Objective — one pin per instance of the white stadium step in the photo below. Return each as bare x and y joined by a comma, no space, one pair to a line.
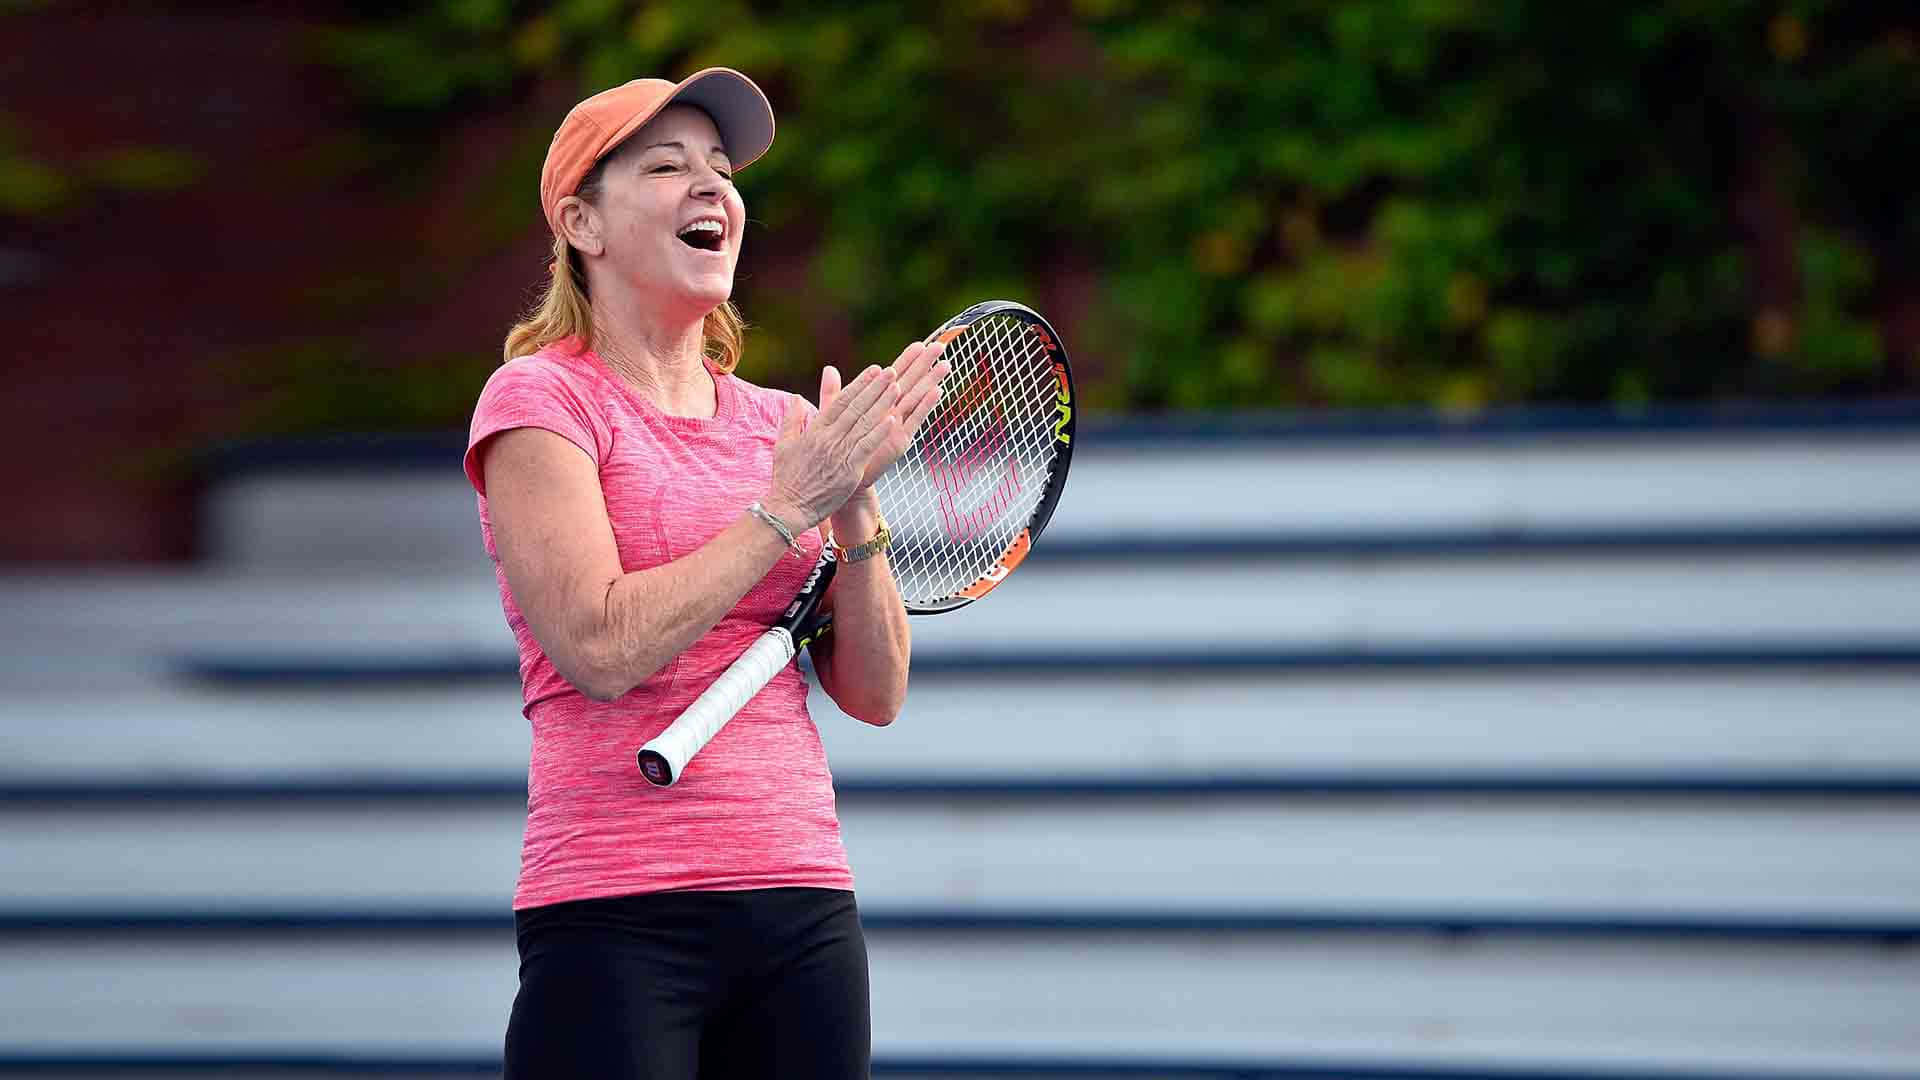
1479,1001
1866,599
1816,724
1461,724
424,515
1824,863
1249,604
1569,483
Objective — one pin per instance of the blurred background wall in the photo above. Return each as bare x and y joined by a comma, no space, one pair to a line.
222,222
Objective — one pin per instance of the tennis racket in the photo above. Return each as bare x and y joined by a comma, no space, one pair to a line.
964,503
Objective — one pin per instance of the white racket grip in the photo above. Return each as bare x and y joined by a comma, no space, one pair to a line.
710,711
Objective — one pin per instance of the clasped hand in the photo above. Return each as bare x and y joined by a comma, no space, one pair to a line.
861,429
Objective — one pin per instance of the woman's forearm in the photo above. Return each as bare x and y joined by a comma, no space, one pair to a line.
647,617
864,669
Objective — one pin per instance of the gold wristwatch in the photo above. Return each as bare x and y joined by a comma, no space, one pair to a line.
882,540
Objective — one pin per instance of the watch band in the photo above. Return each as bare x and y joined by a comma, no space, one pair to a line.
881,541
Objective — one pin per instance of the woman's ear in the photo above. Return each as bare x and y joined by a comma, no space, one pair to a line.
580,225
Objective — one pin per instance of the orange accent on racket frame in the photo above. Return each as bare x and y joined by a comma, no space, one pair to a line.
1016,553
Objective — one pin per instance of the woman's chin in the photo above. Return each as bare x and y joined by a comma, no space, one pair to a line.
687,293
709,291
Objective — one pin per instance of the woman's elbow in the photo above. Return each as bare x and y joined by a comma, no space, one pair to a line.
594,672
878,706
601,692
597,686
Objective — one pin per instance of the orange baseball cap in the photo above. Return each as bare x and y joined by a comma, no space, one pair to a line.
600,123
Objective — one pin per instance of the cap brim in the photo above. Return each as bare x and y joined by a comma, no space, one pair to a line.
738,108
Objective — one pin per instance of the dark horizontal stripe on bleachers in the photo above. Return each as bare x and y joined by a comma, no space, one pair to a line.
241,670
1427,657
1323,1069
443,450
1865,417
1814,540
320,1063
1389,783
322,670
1381,783
134,1061
1808,928
321,453
1595,925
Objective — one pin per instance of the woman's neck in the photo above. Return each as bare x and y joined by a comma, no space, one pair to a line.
660,357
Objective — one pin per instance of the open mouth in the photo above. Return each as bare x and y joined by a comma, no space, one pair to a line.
705,234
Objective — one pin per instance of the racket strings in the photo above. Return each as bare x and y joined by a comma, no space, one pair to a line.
972,478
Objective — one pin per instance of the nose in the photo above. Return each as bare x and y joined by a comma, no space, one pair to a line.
707,183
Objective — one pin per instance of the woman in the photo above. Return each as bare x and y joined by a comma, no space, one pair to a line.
650,514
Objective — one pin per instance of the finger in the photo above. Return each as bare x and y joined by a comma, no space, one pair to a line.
929,381
871,443
859,398
863,424
917,413
913,400
935,363
856,395
908,366
924,362
884,403
829,386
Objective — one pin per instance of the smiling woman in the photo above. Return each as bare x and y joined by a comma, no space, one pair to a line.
641,501
599,134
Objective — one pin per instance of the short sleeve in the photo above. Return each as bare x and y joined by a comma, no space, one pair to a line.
530,393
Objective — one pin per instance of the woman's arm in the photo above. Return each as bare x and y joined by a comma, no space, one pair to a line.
862,664
607,630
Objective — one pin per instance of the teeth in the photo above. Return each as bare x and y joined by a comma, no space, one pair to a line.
704,226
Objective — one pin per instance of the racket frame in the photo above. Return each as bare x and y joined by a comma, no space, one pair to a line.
1063,428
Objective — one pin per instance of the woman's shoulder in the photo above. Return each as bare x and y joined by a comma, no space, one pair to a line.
547,389
552,374
552,364
552,382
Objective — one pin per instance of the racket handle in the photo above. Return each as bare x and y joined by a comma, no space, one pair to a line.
663,759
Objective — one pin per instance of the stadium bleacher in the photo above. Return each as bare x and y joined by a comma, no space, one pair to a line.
1544,745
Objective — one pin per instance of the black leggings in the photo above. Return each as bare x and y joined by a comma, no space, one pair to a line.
760,983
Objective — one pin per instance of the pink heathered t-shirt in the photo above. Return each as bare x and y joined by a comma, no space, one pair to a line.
755,809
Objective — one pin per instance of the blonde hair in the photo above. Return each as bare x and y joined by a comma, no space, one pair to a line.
565,310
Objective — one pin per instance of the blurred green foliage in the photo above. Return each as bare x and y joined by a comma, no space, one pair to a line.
32,187
1447,202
